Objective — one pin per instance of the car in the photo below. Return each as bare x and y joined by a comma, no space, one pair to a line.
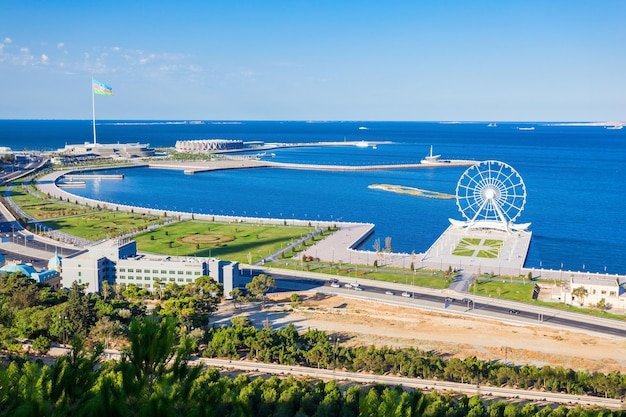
390,293
513,311
347,285
335,285
358,288
406,294
449,300
466,300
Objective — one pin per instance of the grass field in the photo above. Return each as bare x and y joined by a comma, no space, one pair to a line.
39,207
104,224
240,242
431,279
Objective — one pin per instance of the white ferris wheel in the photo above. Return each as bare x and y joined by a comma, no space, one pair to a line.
491,195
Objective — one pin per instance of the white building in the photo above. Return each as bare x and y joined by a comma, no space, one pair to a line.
208,145
597,287
117,261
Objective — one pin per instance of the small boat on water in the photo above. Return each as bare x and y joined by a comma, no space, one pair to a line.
493,124
614,127
431,159
526,128
362,128
362,144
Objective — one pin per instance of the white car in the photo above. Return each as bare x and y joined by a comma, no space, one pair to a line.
335,285
406,294
390,293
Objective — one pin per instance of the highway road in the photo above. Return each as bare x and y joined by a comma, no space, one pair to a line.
423,384
462,304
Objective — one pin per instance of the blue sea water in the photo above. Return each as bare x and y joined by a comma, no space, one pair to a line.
574,178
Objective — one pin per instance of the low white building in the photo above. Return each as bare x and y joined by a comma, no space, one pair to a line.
598,287
117,261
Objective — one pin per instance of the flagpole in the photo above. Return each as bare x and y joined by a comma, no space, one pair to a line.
93,111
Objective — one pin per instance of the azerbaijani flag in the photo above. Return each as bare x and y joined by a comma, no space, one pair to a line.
102,89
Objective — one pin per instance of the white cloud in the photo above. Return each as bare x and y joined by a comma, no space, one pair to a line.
60,45
24,50
44,58
8,40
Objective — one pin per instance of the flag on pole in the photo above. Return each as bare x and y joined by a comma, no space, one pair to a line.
102,89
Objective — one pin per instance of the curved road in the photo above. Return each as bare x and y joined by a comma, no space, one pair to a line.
424,384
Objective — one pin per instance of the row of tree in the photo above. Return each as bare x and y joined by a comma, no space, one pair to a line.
317,349
153,378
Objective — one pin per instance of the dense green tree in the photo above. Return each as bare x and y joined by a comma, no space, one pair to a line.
260,286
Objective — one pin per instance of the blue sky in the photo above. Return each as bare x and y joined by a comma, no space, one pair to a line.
315,60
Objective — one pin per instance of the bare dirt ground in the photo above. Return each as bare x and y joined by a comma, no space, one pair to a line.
357,323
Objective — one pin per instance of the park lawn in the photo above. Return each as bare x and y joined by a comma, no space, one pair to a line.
40,207
241,242
104,224
514,291
395,275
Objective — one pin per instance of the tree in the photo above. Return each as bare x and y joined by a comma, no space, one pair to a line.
580,293
388,248
295,299
78,311
41,345
260,286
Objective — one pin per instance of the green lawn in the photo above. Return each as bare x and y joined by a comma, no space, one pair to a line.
228,241
429,279
101,225
39,207
513,291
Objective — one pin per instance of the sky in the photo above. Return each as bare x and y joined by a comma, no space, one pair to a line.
413,60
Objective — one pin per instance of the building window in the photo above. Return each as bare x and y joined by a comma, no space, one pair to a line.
146,271
155,271
197,273
80,274
130,270
180,272
172,272
603,292
163,271
188,280
180,280
122,269
612,293
188,272
131,277
172,279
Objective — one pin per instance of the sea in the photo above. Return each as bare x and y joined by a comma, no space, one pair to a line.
574,175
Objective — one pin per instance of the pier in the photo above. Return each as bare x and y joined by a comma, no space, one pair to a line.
73,177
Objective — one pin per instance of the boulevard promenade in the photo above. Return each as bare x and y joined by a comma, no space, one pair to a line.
340,247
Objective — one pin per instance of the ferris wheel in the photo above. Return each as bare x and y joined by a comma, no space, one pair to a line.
491,195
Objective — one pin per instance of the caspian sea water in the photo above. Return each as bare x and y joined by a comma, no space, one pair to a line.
574,177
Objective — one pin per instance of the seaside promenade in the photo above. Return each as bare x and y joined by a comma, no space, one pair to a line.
341,246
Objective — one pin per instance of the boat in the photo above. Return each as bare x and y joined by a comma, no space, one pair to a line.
362,144
614,127
493,124
526,128
362,128
431,159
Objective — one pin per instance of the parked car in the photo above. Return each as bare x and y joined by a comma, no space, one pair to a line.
513,311
406,294
390,293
